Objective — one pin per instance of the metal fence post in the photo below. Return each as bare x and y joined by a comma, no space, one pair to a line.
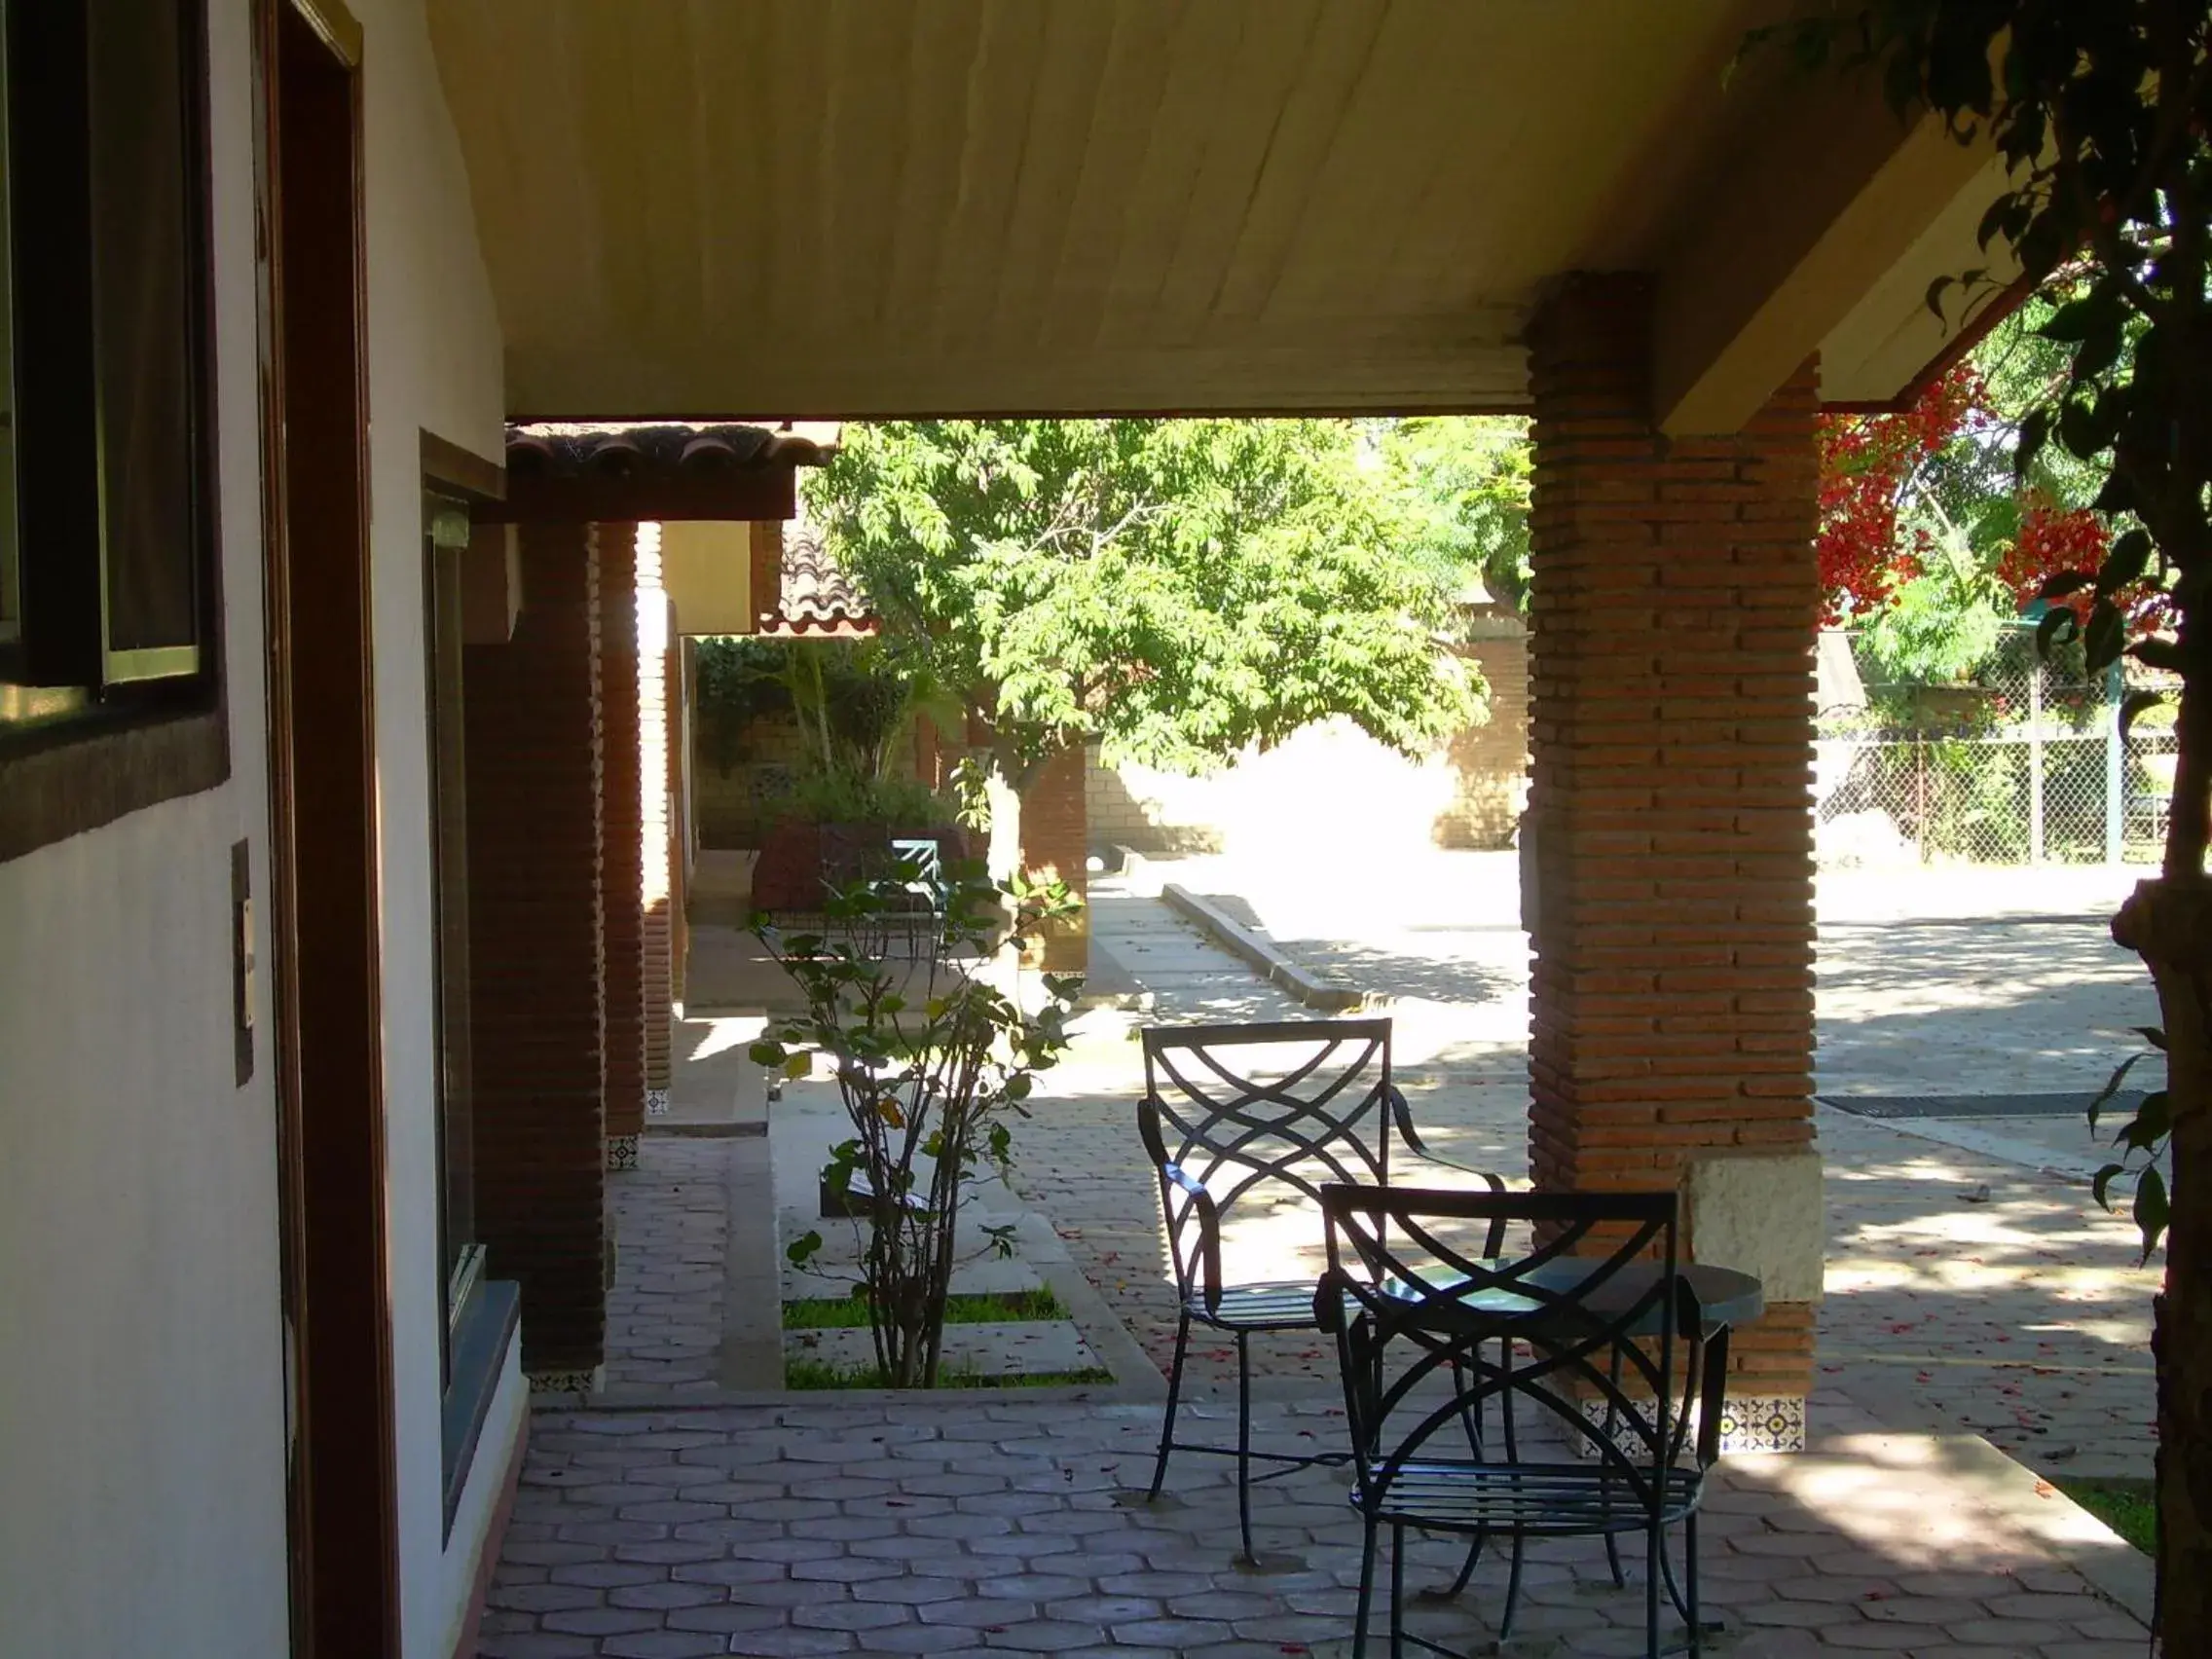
1920,794
2115,771
2035,763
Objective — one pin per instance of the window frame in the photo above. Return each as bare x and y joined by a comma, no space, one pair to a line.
109,731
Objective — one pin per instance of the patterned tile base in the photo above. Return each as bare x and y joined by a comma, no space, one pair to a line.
656,1102
1763,1423
567,1382
1750,1422
621,1152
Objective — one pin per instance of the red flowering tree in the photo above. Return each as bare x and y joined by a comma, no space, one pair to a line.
1867,465
2054,538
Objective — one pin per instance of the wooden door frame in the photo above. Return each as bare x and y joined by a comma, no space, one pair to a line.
325,910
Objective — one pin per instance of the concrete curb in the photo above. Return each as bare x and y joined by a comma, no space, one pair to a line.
751,1355
1266,957
1135,1377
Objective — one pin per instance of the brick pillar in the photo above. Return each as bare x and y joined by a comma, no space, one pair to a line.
1668,859
621,841
652,825
537,968
1055,841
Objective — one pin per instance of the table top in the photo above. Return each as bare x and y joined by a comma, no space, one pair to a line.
1725,1296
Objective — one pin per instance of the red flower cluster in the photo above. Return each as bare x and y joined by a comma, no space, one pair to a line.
2053,539
1866,462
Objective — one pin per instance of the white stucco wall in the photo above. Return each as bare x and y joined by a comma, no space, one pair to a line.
141,1375
434,364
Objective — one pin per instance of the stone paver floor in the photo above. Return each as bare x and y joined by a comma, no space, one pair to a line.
664,1315
943,1526
2022,1316
1967,1292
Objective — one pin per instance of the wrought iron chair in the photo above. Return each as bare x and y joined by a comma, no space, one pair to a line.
1326,1110
1610,1344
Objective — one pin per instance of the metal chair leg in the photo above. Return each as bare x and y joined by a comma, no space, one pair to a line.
1174,1394
1689,1581
1466,1568
1398,1593
1512,1588
1614,1560
1244,1446
1654,1570
1366,1593
1482,1533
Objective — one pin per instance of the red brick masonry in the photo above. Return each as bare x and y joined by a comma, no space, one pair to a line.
621,843
538,972
1670,857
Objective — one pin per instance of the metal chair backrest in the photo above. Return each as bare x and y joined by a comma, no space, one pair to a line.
1318,1112
1594,1326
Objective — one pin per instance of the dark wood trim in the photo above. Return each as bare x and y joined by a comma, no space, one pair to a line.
764,575
89,771
463,471
335,26
646,497
325,907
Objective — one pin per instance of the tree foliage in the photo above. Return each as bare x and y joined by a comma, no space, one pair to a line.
1462,485
1179,589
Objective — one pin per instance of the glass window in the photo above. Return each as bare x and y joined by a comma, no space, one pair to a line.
460,1255
143,336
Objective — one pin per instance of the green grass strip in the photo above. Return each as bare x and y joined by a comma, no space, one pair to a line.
850,1313
812,1374
2129,1507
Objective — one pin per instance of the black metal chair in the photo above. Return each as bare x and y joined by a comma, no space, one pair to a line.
1327,1110
1611,1345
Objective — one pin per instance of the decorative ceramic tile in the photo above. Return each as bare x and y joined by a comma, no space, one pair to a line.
565,1382
656,1102
1750,1422
1763,1423
621,1152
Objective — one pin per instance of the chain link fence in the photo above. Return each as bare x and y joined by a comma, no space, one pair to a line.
2022,765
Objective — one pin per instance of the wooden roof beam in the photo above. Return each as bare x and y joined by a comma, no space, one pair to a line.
1828,200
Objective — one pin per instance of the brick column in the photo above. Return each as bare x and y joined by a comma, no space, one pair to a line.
1054,840
537,972
621,841
1667,858
655,850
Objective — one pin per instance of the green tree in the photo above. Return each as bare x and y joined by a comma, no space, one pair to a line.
1177,589
2102,110
1463,484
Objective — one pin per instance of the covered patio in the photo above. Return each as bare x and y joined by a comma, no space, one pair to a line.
1593,215
1583,215
1968,1349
